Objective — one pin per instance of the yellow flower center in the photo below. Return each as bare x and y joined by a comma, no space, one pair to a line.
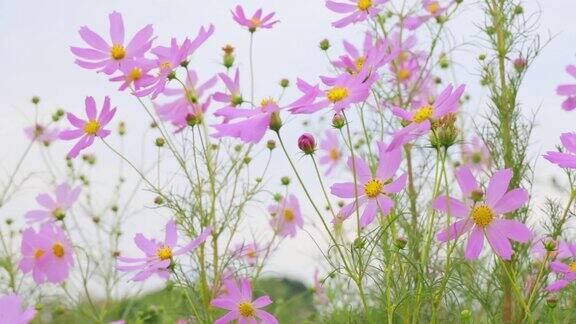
165,66
246,309
57,213
482,215
91,127
433,7
135,74
403,56
164,253
573,266
58,250
360,63
334,154
422,114
364,4
265,102
403,74
117,51
251,254
289,214
39,253
337,94
255,22
373,188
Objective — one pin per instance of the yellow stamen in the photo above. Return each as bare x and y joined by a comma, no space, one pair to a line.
167,65
251,254
92,127
255,22
373,188
246,309
573,266
337,94
135,74
403,74
117,51
164,253
433,8
39,253
334,154
364,4
58,250
422,114
265,102
482,215
360,63
288,214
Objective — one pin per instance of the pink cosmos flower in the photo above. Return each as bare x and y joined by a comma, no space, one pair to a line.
478,214
331,146
357,10
238,300
159,255
42,134
476,154
48,254
568,271
249,253
568,90
341,92
539,251
233,97
257,21
169,58
405,71
286,216
373,190
433,9
373,56
89,129
55,209
135,74
11,310
421,119
189,103
107,57
568,159
253,124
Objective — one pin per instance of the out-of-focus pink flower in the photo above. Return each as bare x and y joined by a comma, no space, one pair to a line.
356,10
320,296
135,74
564,159
478,213
433,9
170,58
48,254
11,310
406,71
233,97
286,216
373,56
238,301
373,190
55,209
539,251
42,134
253,124
159,256
341,92
568,90
190,103
331,146
249,253
421,118
307,143
476,154
256,21
109,57
88,129
568,271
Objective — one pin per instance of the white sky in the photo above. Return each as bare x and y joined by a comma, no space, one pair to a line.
35,59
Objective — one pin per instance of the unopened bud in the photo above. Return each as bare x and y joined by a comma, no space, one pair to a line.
285,181
160,142
271,144
338,121
324,44
307,143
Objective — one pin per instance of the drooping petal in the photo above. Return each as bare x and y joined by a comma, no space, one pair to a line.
455,230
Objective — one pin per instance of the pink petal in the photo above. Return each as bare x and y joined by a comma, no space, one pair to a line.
345,190
456,229
171,236
457,208
116,28
499,242
466,180
93,39
475,244
498,186
369,214
513,229
511,201
90,108
557,285
361,167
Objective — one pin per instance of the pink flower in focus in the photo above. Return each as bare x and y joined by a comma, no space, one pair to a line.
247,252
286,216
373,56
568,159
341,92
331,146
42,134
568,90
170,58
373,190
55,209
253,124
357,10
421,118
433,9
106,57
238,300
135,74
255,22
159,255
476,154
233,97
11,310
568,271
478,215
48,254
89,129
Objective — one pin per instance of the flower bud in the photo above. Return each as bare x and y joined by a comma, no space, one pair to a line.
35,100
324,44
277,197
518,10
160,142
477,195
121,128
400,243
275,122
446,133
520,64
465,314
552,301
158,200
550,245
247,160
285,181
307,143
271,144
284,83
338,121
359,243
